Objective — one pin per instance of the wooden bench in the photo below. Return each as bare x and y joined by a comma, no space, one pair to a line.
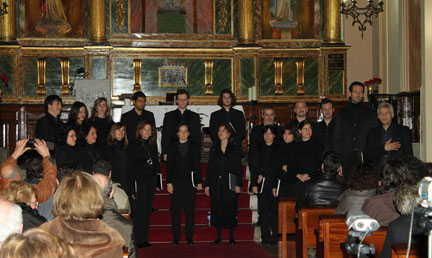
308,222
286,225
399,251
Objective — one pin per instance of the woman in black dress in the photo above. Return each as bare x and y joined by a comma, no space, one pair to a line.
183,180
78,115
90,153
101,119
144,165
225,159
66,151
264,168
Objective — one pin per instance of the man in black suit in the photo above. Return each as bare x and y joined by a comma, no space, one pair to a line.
351,127
48,125
323,131
389,140
177,117
300,110
228,115
132,118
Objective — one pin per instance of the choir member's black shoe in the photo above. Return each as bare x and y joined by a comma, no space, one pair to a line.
190,242
232,241
144,245
218,240
175,242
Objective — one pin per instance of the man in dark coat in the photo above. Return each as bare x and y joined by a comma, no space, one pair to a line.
177,117
48,125
323,131
351,127
132,118
389,140
300,110
228,115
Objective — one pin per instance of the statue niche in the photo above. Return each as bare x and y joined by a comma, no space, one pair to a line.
171,16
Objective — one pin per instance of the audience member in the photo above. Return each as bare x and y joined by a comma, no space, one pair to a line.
36,243
24,194
351,128
111,215
177,117
323,131
11,172
362,184
300,111
389,140
101,120
78,202
405,199
48,125
132,118
326,189
228,115
11,220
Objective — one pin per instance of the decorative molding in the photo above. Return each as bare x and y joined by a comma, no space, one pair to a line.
300,77
120,14
208,77
223,15
65,76
278,64
137,75
41,66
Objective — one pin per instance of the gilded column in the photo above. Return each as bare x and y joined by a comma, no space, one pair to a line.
278,76
332,21
65,76
41,65
246,21
208,77
98,21
7,22
300,77
137,75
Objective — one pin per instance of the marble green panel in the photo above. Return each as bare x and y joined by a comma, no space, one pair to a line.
98,64
123,76
289,77
7,65
29,68
311,76
107,19
247,74
221,75
171,21
336,82
228,28
75,64
266,71
196,76
115,28
53,76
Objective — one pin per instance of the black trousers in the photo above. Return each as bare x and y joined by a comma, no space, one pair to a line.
143,208
183,197
268,213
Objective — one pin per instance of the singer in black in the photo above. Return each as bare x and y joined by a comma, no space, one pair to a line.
144,165
264,167
183,181
225,159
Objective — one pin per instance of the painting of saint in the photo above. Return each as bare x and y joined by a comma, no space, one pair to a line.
54,21
282,14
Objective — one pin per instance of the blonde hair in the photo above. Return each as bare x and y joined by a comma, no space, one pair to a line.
78,197
94,109
19,191
36,243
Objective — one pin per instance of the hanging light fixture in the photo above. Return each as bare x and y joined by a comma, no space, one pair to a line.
361,15
3,8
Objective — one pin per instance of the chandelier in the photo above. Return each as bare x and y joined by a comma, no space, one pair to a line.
361,15
3,9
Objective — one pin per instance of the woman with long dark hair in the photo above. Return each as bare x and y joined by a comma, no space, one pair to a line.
183,181
101,119
66,151
78,115
144,165
225,159
90,153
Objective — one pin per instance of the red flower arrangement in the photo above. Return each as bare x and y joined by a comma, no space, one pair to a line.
373,81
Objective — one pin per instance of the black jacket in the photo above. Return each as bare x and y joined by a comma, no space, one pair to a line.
117,155
140,152
322,191
179,168
349,137
68,154
31,218
324,134
172,120
47,128
374,150
103,127
220,165
308,157
235,118
285,156
131,120
265,163
89,158
256,138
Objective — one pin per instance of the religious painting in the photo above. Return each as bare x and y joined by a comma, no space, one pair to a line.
53,18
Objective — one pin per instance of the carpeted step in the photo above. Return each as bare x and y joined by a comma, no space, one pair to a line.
245,185
203,169
163,217
163,234
162,201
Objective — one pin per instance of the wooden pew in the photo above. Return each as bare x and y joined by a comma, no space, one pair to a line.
286,225
399,250
308,222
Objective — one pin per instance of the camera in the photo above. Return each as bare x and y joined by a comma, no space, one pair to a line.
360,222
30,144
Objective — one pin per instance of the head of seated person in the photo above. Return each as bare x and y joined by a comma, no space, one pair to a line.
364,177
417,169
36,243
20,192
397,172
66,169
31,162
405,199
11,220
102,167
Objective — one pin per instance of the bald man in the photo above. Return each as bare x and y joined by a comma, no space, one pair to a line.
111,215
10,171
11,220
300,110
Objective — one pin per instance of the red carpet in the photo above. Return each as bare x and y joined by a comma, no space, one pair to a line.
160,226
208,250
